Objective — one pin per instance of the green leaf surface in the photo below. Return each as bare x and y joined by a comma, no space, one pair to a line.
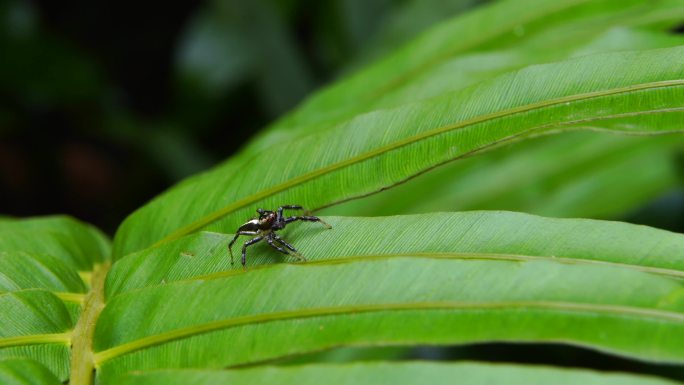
20,270
576,174
75,243
380,281
405,77
508,234
380,134
36,324
55,357
647,96
389,373
41,288
18,371
33,312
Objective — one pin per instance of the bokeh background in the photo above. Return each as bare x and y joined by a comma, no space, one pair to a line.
105,104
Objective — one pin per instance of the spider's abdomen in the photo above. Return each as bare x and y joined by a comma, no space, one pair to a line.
252,225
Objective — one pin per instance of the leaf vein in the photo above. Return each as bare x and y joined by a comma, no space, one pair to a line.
202,222
187,332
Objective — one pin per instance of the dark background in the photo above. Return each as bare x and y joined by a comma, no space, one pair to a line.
105,104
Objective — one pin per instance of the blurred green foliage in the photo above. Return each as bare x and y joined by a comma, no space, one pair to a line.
107,105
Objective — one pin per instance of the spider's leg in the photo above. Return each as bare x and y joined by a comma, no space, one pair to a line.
230,245
270,238
289,246
288,207
309,218
244,249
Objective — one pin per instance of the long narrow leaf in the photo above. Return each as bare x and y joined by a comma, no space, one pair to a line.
575,32
578,174
568,175
428,279
474,234
647,96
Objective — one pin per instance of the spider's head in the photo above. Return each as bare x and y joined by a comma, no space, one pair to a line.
266,216
265,213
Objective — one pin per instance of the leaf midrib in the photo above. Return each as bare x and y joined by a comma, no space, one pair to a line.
82,363
35,339
344,259
76,298
456,256
251,320
212,217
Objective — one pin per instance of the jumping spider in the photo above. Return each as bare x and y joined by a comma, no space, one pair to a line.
265,227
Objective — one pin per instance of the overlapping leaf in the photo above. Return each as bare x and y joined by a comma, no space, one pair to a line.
578,174
647,96
436,77
74,243
543,32
574,175
433,278
40,287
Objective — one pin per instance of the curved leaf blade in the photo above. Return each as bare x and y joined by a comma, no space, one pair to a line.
18,371
20,270
547,29
575,33
576,174
460,235
233,321
646,96
425,279
78,244
570,175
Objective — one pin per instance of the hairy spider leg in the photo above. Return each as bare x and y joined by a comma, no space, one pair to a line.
230,245
244,249
309,218
289,246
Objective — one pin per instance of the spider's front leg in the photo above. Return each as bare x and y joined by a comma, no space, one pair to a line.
279,212
308,218
230,245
